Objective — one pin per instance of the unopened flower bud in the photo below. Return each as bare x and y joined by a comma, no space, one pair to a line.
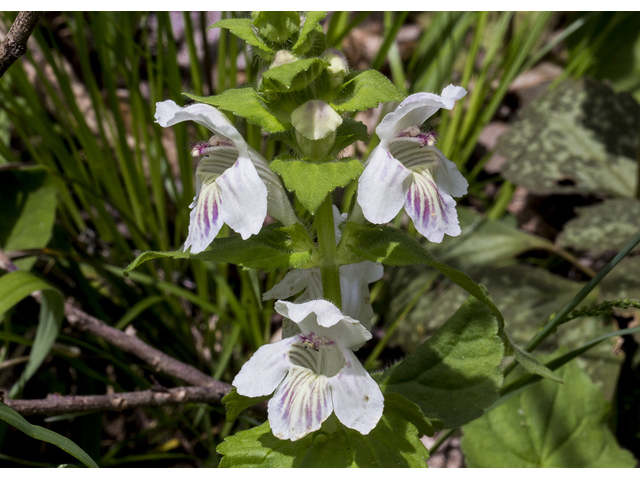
338,67
315,123
315,120
283,57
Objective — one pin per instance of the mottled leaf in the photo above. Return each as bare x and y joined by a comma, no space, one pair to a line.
602,227
578,138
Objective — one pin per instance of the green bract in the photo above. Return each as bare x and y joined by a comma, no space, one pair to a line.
277,26
293,76
243,28
363,90
246,103
312,182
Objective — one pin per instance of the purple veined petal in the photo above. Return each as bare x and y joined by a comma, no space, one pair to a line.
416,109
265,370
354,287
418,158
300,405
168,113
244,197
448,177
357,399
433,212
205,219
380,193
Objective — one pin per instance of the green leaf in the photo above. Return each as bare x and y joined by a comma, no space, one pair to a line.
347,133
578,138
392,247
363,90
602,227
312,182
547,425
293,76
28,199
311,25
455,374
246,103
526,296
14,419
277,26
412,412
243,28
16,286
393,442
236,403
273,248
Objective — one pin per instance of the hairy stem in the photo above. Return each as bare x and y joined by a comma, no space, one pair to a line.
329,269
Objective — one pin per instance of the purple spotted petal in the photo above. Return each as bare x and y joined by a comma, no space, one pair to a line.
300,405
433,212
205,219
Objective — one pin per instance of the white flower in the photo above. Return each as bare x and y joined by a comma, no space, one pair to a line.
354,285
314,373
234,184
407,169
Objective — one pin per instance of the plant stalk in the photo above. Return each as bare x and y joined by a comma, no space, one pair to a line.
329,269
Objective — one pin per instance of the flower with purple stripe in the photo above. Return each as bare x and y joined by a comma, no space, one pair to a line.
406,169
314,373
234,184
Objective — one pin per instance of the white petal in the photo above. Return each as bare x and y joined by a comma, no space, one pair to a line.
416,109
265,369
324,313
301,403
324,319
433,212
244,198
380,192
453,92
354,286
278,204
169,113
357,399
448,177
205,219
338,219
293,282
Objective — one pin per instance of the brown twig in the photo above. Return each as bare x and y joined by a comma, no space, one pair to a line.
130,344
56,405
14,44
